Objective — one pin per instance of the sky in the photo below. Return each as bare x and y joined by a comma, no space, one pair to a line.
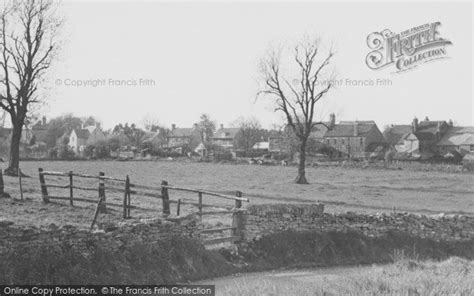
183,59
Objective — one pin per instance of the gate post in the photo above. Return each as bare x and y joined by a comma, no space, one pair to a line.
44,188
237,219
103,206
165,198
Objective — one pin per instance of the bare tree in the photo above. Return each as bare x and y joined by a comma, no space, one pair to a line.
151,123
28,45
206,128
297,99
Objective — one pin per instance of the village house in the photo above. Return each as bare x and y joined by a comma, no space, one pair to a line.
457,139
353,138
183,140
282,143
419,137
79,139
224,137
37,133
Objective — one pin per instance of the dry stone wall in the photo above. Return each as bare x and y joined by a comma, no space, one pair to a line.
113,238
260,220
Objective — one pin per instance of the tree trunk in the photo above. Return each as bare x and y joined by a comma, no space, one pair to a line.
14,162
301,178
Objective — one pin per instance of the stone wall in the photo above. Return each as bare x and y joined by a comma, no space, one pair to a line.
260,220
113,237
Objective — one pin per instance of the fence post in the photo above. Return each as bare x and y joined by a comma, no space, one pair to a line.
20,183
44,188
165,198
71,191
237,218
103,206
126,198
178,207
96,213
200,205
2,185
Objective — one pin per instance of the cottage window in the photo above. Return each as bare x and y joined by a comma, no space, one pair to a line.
471,147
342,141
335,141
361,141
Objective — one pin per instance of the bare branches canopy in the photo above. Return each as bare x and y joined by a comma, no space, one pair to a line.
28,45
297,98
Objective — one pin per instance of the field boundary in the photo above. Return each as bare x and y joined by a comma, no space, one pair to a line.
127,188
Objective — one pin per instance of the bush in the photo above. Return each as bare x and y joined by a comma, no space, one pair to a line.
99,150
65,152
223,155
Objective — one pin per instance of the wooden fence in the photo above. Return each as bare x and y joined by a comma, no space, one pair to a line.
126,188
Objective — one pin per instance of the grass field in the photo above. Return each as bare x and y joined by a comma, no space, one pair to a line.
341,189
454,276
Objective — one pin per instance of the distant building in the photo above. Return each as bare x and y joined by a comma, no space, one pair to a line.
201,149
96,135
37,132
78,140
182,139
353,138
277,143
261,146
285,141
419,137
224,137
459,139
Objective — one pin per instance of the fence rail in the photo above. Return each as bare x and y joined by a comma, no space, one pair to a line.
127,188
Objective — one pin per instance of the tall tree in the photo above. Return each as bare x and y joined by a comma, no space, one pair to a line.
297,98
28,45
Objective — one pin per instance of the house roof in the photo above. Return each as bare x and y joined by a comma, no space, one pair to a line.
181,132
458,136
396,133
346,129
82,133
429,126
319,131
226,133
96,135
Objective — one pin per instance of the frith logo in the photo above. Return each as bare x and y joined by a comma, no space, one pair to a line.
407,49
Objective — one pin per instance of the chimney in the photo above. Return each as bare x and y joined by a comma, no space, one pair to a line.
356,129
44,120
195,126
332,120
426,118
451,124
222,126
97,125
414,125
173,127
